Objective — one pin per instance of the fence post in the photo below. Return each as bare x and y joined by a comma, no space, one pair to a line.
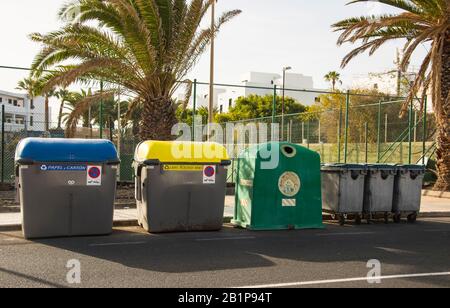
3,143
194,109
101,110
119,133
411,107
308,133
339,133
424,133
274,104
347,114
379,132
366,138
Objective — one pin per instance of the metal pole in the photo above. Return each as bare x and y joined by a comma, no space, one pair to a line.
347,107
101,110
303,132
194,107
410,119
415,126
119,132
308,130
424,133
3,143
211,81
386,128
291,124
379,132
366,137
282,105
339,133
274,104
320,132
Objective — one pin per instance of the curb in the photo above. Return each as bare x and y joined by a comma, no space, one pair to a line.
436,194
226,220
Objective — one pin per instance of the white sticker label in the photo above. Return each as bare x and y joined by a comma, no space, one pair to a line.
94,176
209,175
289,202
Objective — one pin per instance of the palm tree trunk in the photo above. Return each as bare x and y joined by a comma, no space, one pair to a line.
443,121
61,109
158,118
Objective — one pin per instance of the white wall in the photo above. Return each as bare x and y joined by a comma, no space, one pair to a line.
23,111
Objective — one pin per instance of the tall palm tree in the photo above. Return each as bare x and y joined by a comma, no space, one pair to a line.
419,22
144,46
334,78
31,86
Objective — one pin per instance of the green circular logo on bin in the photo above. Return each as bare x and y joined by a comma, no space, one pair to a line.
289,184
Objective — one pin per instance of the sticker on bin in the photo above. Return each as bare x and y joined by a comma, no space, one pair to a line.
289,202
209,175
182,168
94,175
63,168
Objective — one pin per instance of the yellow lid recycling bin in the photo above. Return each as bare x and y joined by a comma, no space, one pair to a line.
180,186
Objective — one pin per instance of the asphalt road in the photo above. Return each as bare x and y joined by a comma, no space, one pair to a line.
236,258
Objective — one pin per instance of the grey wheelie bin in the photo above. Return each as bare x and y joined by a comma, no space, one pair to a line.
343,190
66,186
379,191
408,192
180,186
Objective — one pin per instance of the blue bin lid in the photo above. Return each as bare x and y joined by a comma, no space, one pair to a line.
66,150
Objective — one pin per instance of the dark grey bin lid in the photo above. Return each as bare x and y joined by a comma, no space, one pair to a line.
344,167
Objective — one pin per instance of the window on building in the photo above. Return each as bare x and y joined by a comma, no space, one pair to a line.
15,102
221,108
317,99
1,99
31,120
230,103
10,101
32,104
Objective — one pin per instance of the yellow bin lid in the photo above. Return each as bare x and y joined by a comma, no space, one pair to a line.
181,152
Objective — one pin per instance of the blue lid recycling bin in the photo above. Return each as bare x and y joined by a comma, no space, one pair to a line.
66,186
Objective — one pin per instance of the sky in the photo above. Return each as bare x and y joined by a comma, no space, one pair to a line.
267,36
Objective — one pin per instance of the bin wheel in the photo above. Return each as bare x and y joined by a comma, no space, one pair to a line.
341,219
397,218
386,218
358,219
369,219
412,218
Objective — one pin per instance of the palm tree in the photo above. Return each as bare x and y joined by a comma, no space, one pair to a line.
34,86
143,46
419,22
64,95
334,78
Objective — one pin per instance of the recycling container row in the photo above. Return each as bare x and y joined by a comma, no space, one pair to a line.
357,190
67,187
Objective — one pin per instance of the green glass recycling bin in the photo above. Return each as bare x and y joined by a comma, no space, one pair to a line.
278,187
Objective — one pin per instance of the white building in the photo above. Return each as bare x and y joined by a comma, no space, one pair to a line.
298,86
21,113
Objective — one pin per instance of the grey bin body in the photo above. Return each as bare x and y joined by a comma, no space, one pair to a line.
343,188
173,201
408,189
60,203
379,189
